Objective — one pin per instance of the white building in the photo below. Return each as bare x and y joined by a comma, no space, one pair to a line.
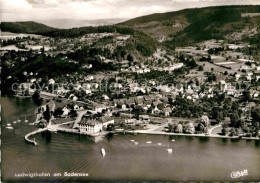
90,126
65,111
222,86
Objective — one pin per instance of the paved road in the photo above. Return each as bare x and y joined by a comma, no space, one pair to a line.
210,130
78,119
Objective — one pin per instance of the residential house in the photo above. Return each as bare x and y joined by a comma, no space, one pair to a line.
98,108
237,76
65,111
222,86
89,78
130,101
167,111
124,107
33,80
76,107
189,90
139,100
131,121
51,82
105,97
145,118
75,98
61,91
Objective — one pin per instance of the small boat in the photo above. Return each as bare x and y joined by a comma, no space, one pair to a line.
173,140
159,144
148,142
14,122
8,124
169,150
18,120
10,127
103,152
132,140
31,124
25,120
135,143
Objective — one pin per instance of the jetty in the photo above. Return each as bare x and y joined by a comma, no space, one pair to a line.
33,133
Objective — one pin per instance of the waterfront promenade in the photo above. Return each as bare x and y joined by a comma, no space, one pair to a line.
159,130
184,134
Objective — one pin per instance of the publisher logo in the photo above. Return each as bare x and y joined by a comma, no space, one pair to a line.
237,174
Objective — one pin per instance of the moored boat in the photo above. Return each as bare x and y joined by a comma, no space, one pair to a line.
169,150
8,124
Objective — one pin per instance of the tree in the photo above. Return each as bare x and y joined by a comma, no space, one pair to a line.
205,120
130,58
190,128
201,127
178,128
200,68
255,113
234,119
58,112
224,129
36,97
235,106
246,96
26,93
170,127
73,113
110,127
47,114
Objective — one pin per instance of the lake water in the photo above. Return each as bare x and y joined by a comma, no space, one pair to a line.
192,159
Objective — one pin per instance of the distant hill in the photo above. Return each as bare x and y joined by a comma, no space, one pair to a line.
72,23
139,41
173,29
29,27
193,25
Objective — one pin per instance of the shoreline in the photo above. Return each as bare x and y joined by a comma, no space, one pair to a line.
72,131
190,135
